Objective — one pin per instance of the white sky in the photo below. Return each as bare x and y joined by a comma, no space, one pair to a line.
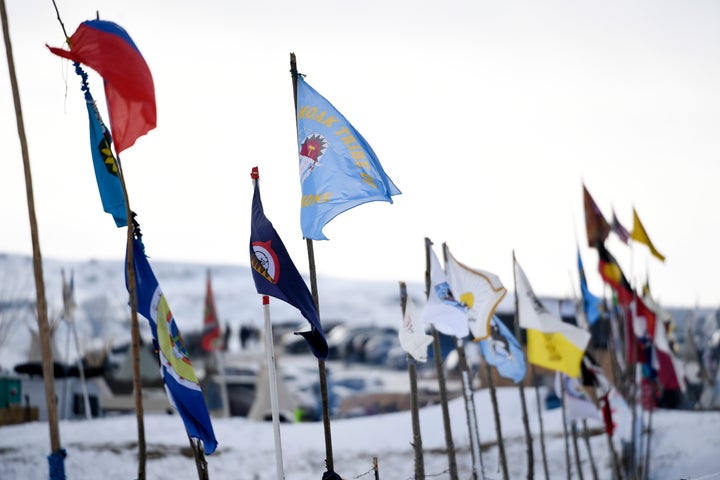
487,115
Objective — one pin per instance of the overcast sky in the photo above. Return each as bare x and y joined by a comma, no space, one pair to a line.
488,116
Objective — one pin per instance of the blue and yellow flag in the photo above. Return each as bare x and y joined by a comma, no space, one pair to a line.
338,169
181,383
104,162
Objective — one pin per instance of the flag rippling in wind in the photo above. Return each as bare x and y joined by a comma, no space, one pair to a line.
275,274
211,340
619,230
107,172
442,309
181,383
480,291
412,336
129,89
578,404
338,168
591,303
613,275
552,343
502,350
640,235
596,226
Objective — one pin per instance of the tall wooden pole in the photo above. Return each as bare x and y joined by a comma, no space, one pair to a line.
313,288
414,408
586,439
437,354
42,316
540,421
564,424
466,382
498,426
526,423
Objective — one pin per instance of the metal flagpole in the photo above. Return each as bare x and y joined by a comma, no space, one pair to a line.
272,380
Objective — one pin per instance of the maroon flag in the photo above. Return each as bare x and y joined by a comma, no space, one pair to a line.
595,224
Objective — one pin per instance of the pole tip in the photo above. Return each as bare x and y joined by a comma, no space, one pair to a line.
254,173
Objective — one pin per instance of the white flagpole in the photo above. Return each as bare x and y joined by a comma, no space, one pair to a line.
270,358
223,384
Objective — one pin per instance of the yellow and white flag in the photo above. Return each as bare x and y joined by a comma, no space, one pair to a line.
552,343
480,291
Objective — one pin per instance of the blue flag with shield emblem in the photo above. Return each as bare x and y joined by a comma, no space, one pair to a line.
338,169
502,350
275,274
181,383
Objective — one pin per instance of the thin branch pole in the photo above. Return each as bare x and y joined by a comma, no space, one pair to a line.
578,463
586,438
437,354
564,424
498,426
42,316
466,381
200,462
540,421
414,407
651,406
521,389
313,288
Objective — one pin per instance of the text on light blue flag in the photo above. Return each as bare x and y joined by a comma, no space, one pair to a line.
104,162
502,350
181,383
338,169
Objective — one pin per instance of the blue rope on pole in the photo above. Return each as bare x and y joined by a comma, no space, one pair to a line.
57,464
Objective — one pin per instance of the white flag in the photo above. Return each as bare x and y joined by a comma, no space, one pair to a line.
413,338
480,291
578,404
442,309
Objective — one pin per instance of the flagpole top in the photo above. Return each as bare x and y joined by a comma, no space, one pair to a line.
254,173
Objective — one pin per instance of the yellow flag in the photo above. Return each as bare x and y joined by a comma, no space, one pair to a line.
554,351
552,343
640,235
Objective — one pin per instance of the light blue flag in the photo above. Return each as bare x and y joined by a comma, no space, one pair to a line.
503,351
338,169
591,303
104,162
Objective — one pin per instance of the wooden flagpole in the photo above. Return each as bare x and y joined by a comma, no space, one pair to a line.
437,354
272,380
496,415
564,424
414,409
466,382
586,439
42,316
521,389
329,463
578,464
540,421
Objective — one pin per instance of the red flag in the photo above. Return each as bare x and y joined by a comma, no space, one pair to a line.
211,340
129,89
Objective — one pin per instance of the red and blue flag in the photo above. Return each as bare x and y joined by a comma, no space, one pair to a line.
275,274
129,89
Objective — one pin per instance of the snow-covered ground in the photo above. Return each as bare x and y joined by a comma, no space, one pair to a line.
685,445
